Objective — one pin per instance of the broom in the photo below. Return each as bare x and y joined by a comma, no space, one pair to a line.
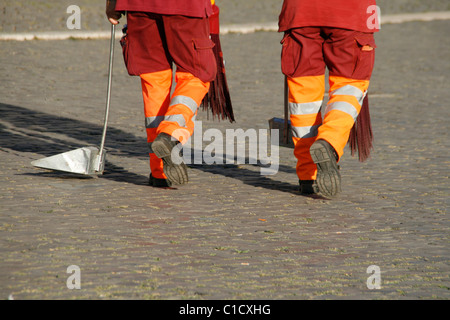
361,136
218,97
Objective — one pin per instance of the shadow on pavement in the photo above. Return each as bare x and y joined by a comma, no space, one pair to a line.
25,130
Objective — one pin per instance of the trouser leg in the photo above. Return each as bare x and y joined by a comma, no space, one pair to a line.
155,91
190,47
346,97
349,56
303,64
179,118
305,101
155,42
146,56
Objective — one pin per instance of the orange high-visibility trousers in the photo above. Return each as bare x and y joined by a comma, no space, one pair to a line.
153,44
306,53
173,115
156,94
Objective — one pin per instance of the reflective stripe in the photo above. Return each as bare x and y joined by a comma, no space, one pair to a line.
305,132
349,90
305,108
153,122
344,107
186,101
176,118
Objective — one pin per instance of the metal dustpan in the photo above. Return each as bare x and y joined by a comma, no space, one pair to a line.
86,160
283,124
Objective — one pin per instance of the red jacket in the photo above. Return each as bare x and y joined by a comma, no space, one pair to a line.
358,15
190,8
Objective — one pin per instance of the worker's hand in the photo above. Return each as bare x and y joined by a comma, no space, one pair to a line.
111,13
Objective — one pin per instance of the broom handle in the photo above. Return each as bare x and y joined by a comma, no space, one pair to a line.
286,111
108,96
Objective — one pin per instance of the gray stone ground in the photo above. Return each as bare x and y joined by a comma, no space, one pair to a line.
230,233
51,15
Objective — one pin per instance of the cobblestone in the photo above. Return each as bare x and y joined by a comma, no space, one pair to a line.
230,233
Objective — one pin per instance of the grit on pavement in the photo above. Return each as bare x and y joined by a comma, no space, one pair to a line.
230,233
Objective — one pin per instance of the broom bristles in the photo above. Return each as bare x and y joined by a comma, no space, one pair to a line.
361,135
218,98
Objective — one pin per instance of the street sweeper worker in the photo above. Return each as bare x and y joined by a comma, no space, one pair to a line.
159,34
338,35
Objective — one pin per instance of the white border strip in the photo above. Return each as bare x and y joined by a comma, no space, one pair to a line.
226,29
57,35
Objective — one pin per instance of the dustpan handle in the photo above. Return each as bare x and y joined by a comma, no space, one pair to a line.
108,97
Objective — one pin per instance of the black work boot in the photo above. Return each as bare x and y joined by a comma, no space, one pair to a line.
308,186
158,183
174,168
328,176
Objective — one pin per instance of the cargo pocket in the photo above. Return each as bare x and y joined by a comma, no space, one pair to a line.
205,62
365,57
290,55
125,44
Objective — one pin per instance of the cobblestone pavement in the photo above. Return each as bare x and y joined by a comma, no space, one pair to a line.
230,233
51,15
